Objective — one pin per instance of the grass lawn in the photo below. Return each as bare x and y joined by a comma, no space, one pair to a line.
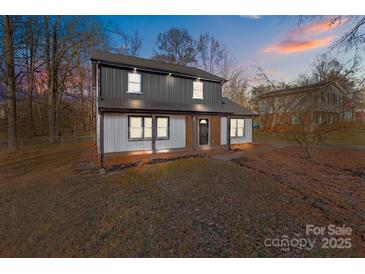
354,137
53,203
347,137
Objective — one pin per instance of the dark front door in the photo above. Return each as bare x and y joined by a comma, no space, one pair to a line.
203,131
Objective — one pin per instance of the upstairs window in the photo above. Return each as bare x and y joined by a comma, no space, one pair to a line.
162,127
134,83
197,90
237,127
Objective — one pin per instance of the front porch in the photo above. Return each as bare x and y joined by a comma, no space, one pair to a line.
126,159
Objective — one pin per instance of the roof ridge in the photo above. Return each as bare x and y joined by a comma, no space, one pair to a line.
302,88
153,61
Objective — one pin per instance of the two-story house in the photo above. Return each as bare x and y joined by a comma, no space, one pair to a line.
310,105
151,106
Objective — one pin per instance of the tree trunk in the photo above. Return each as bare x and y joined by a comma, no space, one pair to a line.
30,61
10,81
50,84
55,83
81,94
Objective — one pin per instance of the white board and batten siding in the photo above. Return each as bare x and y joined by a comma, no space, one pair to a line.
116,134
177,134
247,137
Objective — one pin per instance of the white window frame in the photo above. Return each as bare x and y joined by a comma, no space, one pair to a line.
198,87
234,124
143,138
130,83
167,128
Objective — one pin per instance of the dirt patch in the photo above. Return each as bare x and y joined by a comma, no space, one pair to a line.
328,190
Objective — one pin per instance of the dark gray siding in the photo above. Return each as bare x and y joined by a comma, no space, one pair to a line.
157,87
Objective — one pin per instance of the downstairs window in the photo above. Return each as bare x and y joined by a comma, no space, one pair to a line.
237,127
139,128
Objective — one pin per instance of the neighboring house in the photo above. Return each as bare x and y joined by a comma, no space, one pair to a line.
310,105
145,105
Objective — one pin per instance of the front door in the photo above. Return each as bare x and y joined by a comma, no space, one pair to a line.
203,131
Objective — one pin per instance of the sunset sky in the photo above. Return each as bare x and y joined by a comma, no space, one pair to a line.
282,46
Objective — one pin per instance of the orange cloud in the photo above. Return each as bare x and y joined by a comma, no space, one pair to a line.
317,27
292,46
307,37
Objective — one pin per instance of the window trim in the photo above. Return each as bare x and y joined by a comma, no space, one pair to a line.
140,84
168,128
129,128
202,84
236,136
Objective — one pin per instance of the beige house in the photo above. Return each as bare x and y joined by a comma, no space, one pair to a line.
310,105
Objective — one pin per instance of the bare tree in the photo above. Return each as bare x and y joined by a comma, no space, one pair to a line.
176,46
211,53
128,43
353,38
300,117
51,65
9,30
32,36
132,43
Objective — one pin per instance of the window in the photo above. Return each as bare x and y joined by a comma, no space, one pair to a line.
237,127
140,128
330,119
147,128
198,90
295,120
162,127
134,83
319,118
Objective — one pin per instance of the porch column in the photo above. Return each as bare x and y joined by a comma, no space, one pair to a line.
228,132
193,130
154,133
101,148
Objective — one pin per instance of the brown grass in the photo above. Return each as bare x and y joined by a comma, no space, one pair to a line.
53,203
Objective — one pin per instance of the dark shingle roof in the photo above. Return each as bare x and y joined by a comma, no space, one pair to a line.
141,63
227,107
306,88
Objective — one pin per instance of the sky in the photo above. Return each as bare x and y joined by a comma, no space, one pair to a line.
279,44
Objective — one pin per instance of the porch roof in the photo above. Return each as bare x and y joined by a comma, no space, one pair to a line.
134,105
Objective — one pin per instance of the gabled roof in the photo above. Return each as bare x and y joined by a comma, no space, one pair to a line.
306,88
147,64
227,107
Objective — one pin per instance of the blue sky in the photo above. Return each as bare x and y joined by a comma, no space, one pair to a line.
278,44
